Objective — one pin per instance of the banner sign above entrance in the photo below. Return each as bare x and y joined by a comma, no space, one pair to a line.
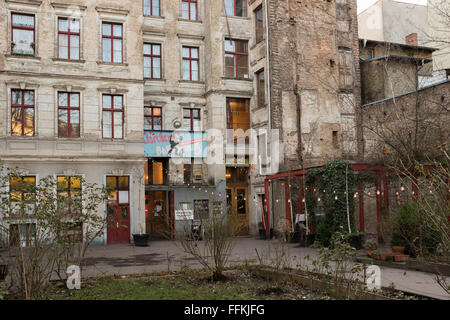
175,144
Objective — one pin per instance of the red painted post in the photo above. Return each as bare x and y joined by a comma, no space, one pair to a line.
287,202
361,207
266,190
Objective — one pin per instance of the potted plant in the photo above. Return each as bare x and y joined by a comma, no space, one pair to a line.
141,239
376,254
356,240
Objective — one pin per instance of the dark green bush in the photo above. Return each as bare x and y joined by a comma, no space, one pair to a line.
409,229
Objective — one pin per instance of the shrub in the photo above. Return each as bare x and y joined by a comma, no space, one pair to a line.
409,229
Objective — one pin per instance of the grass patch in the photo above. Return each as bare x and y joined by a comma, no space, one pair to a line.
237,286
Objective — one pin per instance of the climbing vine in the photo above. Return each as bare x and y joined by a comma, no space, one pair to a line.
335,184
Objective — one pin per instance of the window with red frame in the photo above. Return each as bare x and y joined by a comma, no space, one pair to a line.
68,115
23,234
191,119
237,8
152,8
22,195
189,9
112,37
112,116
260,88
68,39
23,35
190,67
236,58
69,194
152,61
152,118
259,26
22,113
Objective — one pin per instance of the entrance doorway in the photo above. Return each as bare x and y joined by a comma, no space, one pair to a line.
157,217
237,197
118,210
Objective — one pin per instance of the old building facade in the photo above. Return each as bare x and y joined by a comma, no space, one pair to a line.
132,94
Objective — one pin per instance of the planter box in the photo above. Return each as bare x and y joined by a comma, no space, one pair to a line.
141,240
401,257
398,249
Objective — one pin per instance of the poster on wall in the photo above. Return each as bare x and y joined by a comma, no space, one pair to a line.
175,144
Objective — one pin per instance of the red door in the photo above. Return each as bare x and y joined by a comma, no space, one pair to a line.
118,210
118,223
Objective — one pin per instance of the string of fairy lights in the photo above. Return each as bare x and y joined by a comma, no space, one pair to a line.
318,197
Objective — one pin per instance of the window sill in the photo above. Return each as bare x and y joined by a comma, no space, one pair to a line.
236,17
155,79
239,79
190,81
114,64
187,20
23,56
258,43
69,60
153,17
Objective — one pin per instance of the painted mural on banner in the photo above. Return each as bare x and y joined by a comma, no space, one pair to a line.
176,144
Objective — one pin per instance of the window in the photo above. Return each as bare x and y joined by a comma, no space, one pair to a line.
22,195
238,114
23,34
191,119
236,8
68,39
112,116
69,195
23,234
152,8
260,88
157,171
193,172
345,68
259,28
112,42
262,152
152,118
152,61
236,59
118,189
22,113
190,63
189,9
68,115
201,209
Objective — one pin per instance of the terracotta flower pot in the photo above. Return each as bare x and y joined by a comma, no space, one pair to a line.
401,257
398,249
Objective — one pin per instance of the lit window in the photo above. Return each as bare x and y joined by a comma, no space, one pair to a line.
113,116
22,113
152,61
22,195
69,39
68,115
190,67
23,34
152,118
236,8
69,195
112,42
152,8
236,59
189,9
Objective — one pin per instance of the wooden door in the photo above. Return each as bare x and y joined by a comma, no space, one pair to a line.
237,206
118,223
157,222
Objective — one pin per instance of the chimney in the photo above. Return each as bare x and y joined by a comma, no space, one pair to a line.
411,39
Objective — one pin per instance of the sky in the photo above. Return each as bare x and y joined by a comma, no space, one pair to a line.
364,4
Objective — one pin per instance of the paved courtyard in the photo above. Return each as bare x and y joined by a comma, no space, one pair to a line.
169,256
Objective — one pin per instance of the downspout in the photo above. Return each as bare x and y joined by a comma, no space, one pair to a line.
269,115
